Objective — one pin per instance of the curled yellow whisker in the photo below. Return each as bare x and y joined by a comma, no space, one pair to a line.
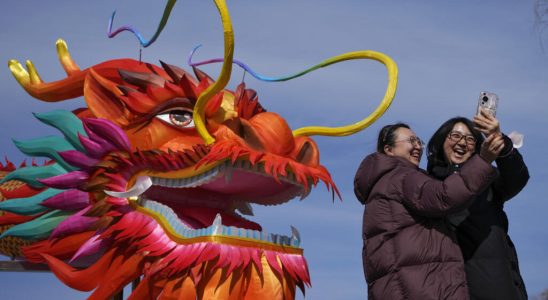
224,77
392,69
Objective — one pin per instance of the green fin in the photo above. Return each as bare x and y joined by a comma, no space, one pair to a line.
66,122
39,228
30,175
48,146
31,205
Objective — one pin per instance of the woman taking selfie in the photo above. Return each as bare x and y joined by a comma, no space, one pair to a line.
491,262
409,251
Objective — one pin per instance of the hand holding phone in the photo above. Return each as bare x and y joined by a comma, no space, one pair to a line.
488,102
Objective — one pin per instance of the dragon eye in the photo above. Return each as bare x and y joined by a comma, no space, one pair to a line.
177,117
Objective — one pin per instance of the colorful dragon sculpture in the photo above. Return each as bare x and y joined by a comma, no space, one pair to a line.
151,181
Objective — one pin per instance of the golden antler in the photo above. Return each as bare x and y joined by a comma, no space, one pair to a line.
64,57
55,91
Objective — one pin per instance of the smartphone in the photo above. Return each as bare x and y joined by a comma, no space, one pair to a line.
488,102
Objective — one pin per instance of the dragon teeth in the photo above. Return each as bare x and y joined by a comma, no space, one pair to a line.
218,220
228,176
295,234
186,182
245,208
217,228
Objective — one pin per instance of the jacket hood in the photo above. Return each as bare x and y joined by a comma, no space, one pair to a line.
372,169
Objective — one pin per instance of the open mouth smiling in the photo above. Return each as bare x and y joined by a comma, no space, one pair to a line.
460,152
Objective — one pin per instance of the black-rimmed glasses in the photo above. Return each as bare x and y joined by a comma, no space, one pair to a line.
456,137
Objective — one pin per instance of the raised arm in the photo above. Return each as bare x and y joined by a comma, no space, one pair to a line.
430,197
513,171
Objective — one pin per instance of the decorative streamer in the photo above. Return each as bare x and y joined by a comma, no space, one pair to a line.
247,68
144,43
329,131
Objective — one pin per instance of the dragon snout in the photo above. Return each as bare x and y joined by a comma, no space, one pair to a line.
268,132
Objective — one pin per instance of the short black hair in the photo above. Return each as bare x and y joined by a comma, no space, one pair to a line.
436,155
387,135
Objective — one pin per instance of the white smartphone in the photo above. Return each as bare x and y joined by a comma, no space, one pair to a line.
488,102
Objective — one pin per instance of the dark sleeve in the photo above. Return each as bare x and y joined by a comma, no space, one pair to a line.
357,180
513,173
430,197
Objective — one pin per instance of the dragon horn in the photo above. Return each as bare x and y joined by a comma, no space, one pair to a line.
51,91
64,57
379,111
205,96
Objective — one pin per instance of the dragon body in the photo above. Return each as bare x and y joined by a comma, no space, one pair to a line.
153,181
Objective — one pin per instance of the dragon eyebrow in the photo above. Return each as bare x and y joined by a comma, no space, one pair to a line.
146,118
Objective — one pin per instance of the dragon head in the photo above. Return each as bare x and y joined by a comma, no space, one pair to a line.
133,168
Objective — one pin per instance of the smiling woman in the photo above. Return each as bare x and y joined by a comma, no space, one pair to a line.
409,252
491,260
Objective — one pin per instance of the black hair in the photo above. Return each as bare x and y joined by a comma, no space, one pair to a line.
387,135
436,155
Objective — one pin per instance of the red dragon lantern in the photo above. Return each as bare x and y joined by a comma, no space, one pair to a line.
153,178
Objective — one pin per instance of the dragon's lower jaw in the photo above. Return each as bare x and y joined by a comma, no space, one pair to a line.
232,228
204,205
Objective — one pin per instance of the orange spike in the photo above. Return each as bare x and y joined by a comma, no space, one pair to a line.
103,99
11,219
174,88
107,84
213,105
83,280
62,248
141,79
139,102
174,72
239,93
202,76
147,289
160,94
121,272
204,84
189,87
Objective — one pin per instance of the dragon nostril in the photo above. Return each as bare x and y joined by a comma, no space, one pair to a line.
243,129
305,154
235,125
250,136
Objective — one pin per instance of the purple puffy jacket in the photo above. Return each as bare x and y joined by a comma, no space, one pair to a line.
409,251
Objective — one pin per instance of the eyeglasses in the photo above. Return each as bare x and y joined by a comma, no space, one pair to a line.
456,137
413,141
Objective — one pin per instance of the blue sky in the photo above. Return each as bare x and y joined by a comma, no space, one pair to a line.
447,52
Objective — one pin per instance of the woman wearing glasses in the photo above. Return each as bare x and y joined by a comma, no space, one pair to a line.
491,262
409,251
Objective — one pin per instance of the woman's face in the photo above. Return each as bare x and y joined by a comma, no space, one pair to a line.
459,144
406,145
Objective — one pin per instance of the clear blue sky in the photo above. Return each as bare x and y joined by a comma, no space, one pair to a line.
447,52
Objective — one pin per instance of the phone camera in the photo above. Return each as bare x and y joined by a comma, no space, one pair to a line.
484,98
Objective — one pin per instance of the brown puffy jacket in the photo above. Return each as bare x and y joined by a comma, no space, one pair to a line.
409,251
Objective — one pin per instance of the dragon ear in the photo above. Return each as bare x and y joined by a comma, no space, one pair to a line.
103,99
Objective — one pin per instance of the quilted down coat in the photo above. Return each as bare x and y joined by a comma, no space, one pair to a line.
409,250
490,258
